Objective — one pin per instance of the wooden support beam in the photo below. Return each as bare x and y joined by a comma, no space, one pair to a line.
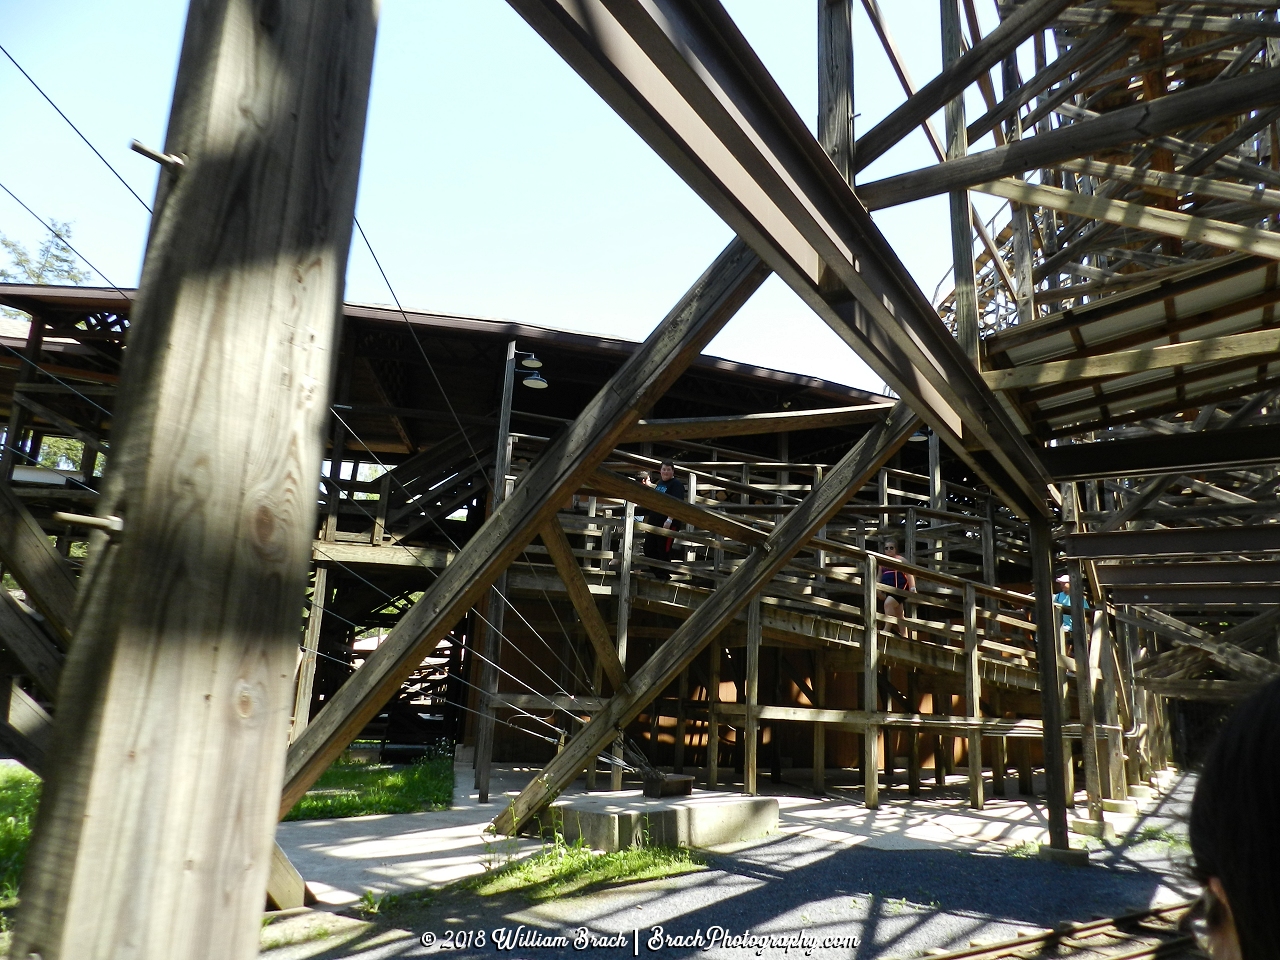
65,424
310,650
870,682
973,694
1222,691
1169,21
1143,121
1168,223
1083,640
715,653
1246,664
174,705
1159,180
966,289
22,636
555,475
615,485
751,727
844,479
753,424
1259,343
33,561
575,582
819,731
1041,546
956,77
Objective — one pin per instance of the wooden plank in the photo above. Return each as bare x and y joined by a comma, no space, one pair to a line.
973,695
557,473
387,555
174,705
1176,182
1258,343
962,271
557,544
1041,547
31,558
1165,22
1168,223
751,729
1227,691
615,485
1248,665
752,424
65,424
926,723
1142,121
286,890
665,664
310,649
34,650
871,681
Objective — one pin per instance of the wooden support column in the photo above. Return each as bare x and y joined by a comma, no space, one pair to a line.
682,696
913,745
870,686
973,693
713,718
1080,634
154,836
1041,545
12,454
835,83
999,752
1020,214
1105,648
310,648
966,303
491,657
752,730
819,729
624,618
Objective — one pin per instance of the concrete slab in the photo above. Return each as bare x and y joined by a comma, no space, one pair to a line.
1129,807
617,820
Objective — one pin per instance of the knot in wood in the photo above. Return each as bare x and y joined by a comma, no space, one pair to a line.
264,524
244,700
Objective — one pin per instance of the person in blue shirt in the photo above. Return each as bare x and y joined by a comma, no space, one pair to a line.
1063,599
657,546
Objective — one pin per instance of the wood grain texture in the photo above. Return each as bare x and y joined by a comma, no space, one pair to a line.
584,603
721,607
29,555
22,636
752,424
155,834
556,474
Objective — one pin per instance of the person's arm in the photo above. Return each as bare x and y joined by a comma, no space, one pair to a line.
911,580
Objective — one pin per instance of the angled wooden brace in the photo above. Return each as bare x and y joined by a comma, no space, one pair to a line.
665,664
27,553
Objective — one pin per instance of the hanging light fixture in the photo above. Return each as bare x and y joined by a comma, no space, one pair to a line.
534,381
531,362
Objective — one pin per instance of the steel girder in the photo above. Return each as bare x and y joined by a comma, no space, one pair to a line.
682,75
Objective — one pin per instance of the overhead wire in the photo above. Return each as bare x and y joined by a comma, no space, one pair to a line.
39,90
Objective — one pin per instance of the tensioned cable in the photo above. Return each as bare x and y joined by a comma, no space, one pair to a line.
55,378
418,343
64,240
75,128
455,545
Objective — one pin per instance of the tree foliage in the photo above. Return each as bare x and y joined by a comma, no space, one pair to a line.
54,262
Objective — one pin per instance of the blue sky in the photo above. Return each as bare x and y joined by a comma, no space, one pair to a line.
494,181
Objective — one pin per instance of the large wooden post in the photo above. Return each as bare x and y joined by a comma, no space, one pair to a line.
870,688
966,303
1041,546
972,693
624,618
1080,637
154,836
819,729
751,736
713,718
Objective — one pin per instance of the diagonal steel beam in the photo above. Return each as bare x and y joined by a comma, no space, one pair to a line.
681,74
664,665
556,474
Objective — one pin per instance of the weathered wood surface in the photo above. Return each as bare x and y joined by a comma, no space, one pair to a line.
175,699
31,558
584,603
1142,121
1168,223
1226,691
22,636
665,664
752,424
557,473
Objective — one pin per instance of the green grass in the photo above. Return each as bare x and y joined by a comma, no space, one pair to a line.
354,789
19,795
1154,834
566,869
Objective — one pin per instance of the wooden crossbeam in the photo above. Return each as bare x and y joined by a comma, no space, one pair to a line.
1176,182
665,664
687,80
35,564
575,583
1169,223
33,648
1259,343
558,471
1222,691
66,424
751,424
952,81
615,485
1167,21
1248,665
1143,121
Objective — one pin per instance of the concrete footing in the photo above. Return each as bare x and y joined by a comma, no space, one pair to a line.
1092,828
1129,807
1140,791
614,821
1074,858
